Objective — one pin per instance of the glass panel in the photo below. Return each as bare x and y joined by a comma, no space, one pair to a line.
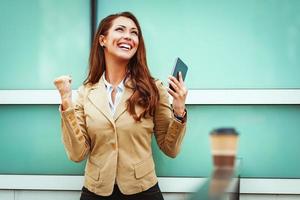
269,138
41,40
31,141
226,44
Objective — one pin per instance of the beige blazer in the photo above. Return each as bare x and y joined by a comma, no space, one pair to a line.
118,148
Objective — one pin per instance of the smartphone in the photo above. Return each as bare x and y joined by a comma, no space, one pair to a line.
179,66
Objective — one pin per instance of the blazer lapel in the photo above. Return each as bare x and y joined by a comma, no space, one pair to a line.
98,97
122,106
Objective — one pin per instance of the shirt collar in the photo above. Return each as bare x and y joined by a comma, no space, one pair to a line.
120,86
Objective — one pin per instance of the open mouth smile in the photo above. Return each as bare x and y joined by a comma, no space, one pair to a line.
125,46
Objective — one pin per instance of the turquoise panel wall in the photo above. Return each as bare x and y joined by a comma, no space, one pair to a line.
227,44
41,40
31,141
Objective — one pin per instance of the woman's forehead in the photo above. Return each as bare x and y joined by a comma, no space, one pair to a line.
124,21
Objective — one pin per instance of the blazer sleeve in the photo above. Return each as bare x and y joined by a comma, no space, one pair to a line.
74,132
168,131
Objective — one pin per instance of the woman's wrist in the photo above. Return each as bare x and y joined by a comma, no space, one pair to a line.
179,112
181,117
66,95
66,103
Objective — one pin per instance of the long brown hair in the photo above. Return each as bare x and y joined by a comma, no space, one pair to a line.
145,92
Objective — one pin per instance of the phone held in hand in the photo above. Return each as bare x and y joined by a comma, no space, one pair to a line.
179,66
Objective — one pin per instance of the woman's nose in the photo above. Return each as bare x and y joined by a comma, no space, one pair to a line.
127,36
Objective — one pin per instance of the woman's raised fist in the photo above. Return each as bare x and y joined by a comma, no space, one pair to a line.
63,85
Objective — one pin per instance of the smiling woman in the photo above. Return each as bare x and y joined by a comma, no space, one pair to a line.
122,39
118,108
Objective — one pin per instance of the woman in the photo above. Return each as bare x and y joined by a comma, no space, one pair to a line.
118,108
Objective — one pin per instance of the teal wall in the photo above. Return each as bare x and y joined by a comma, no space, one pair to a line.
269,143
43,39
227,44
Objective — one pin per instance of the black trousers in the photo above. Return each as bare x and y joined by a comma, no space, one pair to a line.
152,193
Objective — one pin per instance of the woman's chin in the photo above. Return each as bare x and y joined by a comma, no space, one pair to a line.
125,57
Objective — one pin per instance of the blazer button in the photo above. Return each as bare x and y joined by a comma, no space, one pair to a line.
114,146
71,117
73,123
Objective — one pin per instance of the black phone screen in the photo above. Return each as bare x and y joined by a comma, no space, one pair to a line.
179,66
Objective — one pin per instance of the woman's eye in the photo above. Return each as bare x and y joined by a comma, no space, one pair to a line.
135,32
119,29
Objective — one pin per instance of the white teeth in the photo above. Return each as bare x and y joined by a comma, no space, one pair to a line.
126,46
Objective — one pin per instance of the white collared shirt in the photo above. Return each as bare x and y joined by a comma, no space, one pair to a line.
119,92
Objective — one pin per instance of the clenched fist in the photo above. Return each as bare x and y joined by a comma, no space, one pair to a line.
63,85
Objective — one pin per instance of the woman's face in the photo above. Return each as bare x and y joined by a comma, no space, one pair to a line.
122,39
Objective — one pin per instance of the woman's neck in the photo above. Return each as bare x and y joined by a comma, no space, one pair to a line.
115,71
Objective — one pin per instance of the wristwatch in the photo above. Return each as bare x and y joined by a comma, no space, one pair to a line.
181,117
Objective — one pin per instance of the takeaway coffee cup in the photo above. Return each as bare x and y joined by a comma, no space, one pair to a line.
224,147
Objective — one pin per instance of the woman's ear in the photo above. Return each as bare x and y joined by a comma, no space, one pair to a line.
102,41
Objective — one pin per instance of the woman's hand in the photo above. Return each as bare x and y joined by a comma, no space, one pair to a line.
63,85
179,94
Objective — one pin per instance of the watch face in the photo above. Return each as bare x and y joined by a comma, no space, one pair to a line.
181,118
178,117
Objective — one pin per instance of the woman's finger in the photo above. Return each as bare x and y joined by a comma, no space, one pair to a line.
172,93
174,80
62,79
180,78
174,86
180,83
70,78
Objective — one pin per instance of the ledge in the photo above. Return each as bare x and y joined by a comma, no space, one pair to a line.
167,184
195,97
53,182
